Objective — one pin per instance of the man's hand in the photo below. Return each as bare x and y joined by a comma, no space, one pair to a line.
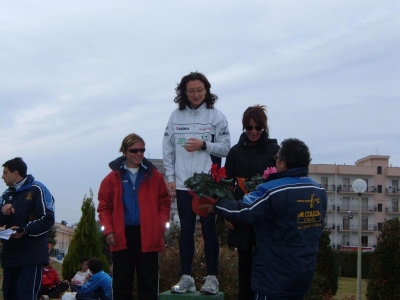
228,224
209,208
7,209
110,238
17,235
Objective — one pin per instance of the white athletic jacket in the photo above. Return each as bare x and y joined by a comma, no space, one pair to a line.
209,125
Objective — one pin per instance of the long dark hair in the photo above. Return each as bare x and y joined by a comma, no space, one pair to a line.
181,98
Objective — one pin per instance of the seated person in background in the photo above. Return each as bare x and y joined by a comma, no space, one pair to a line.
79,278
52,286
99,284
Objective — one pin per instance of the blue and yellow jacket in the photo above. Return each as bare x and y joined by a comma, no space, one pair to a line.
287,212
33,210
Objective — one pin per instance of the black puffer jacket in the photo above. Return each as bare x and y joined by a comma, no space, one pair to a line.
247,159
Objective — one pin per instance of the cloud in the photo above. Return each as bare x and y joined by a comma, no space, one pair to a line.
77,77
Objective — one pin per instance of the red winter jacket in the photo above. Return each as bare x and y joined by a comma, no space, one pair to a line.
49,278
154,205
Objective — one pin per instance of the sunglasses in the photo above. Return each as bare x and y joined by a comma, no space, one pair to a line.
136,150
258,127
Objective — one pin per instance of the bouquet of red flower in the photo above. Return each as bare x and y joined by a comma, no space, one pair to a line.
206,188
249,185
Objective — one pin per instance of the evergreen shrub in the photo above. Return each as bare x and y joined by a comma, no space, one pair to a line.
86,241
384,272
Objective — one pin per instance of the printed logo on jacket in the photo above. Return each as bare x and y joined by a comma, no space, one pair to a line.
312,217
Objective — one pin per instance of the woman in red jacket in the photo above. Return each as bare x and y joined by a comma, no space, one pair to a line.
134,207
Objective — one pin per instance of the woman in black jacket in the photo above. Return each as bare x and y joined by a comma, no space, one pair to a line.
250,156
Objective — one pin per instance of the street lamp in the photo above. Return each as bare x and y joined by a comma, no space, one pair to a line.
359,186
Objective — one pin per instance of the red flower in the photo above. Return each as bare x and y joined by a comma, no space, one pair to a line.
216,173
267,171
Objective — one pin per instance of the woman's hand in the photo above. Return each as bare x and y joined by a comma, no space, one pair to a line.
193,145
110,238
171,187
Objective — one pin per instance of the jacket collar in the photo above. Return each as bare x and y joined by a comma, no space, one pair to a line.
244,140
198,110
119,163
295,172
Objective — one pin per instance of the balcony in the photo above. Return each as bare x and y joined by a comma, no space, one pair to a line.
354,208
393,210
351,227
331,207
328,188
392,190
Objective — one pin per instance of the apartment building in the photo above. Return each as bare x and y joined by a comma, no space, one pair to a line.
379,202
64,235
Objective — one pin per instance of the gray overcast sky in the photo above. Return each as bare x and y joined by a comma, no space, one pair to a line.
78,76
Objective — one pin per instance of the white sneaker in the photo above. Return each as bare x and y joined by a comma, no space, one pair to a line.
211,286
185,285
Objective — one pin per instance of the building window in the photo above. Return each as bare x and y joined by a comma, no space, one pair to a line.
324,182
379,188
346,184
364,223
346,203
380,226
345,240
364,204
380,207
379,170
364,241
346,223
395,205
395,186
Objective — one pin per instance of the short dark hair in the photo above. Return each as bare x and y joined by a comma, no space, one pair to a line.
295,154
257,113
83,259
16,164
95,265
181,98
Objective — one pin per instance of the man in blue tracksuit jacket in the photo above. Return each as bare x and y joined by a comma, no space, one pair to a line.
287,212
99,285
28,208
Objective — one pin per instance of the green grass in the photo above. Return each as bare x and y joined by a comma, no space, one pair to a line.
347,286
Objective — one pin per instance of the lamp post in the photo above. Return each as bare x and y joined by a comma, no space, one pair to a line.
359,186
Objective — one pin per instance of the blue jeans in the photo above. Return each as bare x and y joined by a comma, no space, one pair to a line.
186,243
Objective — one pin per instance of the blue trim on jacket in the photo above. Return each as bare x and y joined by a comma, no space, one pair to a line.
287,212
34,211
